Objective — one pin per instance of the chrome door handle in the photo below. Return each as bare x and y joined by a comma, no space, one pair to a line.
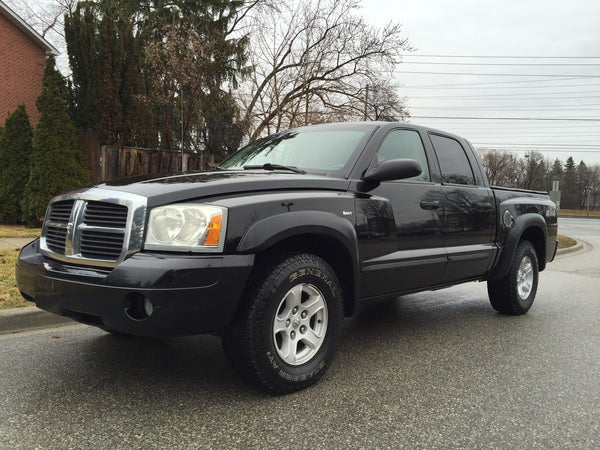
430,204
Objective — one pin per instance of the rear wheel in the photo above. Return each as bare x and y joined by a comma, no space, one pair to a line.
514,294
286,331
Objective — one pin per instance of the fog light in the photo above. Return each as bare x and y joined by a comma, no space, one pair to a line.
137,306
148,308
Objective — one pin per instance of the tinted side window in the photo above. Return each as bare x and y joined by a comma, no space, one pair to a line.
453,161
404,144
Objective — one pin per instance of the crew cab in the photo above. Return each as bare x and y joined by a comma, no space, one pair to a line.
278,244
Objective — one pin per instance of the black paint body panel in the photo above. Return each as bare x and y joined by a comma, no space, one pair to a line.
383,239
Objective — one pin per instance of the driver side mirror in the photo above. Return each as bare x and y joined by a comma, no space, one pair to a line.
393,169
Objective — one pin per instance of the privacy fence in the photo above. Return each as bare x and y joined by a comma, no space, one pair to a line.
112,162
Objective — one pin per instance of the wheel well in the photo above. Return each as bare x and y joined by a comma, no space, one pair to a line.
536,236
331,250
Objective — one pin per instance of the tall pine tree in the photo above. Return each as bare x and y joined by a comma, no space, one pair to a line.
58,161
569,197
105,53
15,153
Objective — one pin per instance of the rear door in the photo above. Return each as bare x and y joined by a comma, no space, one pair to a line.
468,211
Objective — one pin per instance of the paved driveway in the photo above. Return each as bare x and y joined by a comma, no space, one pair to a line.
437,369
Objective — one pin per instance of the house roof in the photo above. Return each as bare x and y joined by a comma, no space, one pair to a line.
14,18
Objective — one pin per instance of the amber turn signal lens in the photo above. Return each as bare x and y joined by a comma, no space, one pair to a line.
214,231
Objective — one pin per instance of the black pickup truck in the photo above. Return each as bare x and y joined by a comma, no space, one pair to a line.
273,248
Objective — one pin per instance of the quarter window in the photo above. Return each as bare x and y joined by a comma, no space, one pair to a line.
453,160
404,144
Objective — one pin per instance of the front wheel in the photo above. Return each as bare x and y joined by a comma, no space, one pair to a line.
286,331
514,294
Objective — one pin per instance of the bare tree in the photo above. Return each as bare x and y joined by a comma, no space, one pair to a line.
47,18
584,184
312,61
382,102
595,186
502,167
533,171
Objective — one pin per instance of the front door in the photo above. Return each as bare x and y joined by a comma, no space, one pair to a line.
399,225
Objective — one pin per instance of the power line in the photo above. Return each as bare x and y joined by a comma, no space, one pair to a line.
499,56
455,85
445,63
501,126
570,150
503,96
554,135
570,119
509,107
500,74
541,145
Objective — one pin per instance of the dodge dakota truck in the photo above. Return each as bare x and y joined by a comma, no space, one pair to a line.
273,248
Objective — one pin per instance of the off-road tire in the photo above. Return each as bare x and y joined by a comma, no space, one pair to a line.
251,342
514,293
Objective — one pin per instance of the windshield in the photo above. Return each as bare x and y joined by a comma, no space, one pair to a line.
323,149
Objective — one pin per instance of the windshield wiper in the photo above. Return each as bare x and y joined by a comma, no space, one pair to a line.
269,166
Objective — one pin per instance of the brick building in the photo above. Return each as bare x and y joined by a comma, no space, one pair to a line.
22,56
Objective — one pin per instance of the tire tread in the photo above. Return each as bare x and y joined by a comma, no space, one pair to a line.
242,340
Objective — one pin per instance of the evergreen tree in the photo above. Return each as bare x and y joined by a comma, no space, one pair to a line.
105,46
569,197
58,161
557,172
15,153
584,184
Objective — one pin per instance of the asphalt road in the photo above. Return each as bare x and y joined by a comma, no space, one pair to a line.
437,369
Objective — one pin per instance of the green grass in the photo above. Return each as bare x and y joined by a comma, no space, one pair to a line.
565,242
18,231
9,294
577,213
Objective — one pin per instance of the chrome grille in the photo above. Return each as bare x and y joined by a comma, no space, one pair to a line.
97,227
104,230
56,229
97,244
60,212
105,215
55,239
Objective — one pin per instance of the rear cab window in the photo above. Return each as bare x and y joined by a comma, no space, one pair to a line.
454,163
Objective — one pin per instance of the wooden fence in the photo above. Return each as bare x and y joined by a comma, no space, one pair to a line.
111,162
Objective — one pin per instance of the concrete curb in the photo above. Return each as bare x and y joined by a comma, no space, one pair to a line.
17,320
574,248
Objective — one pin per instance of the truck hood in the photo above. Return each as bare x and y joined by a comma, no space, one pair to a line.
190,186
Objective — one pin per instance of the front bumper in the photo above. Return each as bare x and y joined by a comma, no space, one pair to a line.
190,294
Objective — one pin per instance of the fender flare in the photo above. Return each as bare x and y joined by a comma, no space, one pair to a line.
269,231
522,223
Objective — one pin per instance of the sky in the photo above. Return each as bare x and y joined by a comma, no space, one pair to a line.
545,65
532,35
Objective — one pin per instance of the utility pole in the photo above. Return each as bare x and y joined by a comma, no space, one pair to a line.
366,102
588,202
181,100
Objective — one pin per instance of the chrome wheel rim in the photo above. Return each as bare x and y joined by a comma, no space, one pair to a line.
300,324
525,278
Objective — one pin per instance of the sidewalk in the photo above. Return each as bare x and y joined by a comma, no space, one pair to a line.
27,318
17,320
14,243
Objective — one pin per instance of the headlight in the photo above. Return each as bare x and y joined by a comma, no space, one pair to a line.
188,227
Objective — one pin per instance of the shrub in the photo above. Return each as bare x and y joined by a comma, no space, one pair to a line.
15,154
58,160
